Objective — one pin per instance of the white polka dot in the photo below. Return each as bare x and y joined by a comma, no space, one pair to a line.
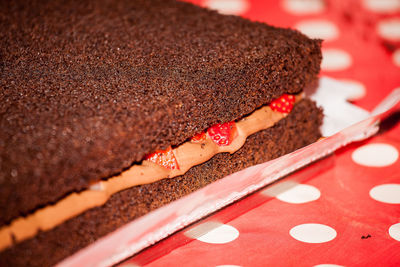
298,194
375,155
302,7
356,90
396,57
386,193
322,29
313,233
394,231
292,192
389,29
228,7
335,59
328,265
213,233
382,6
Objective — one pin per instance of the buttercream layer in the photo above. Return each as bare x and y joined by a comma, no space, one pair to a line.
188,154
298,129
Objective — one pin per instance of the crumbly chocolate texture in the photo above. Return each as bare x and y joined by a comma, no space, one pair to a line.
298,129
89,87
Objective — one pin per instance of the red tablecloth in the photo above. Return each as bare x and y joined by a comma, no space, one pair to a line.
341,211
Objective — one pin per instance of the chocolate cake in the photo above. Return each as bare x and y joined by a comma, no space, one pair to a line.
90,89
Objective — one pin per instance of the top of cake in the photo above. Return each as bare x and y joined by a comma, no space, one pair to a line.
90,87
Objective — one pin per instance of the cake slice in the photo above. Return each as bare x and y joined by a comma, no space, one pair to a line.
107,107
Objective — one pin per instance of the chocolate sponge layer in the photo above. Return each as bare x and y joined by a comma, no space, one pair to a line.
298,129
89,87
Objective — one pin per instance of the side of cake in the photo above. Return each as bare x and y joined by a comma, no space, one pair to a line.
91,95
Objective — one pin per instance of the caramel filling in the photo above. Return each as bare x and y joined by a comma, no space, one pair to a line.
187,155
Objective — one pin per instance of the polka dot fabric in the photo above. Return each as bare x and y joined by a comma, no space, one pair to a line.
341,211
